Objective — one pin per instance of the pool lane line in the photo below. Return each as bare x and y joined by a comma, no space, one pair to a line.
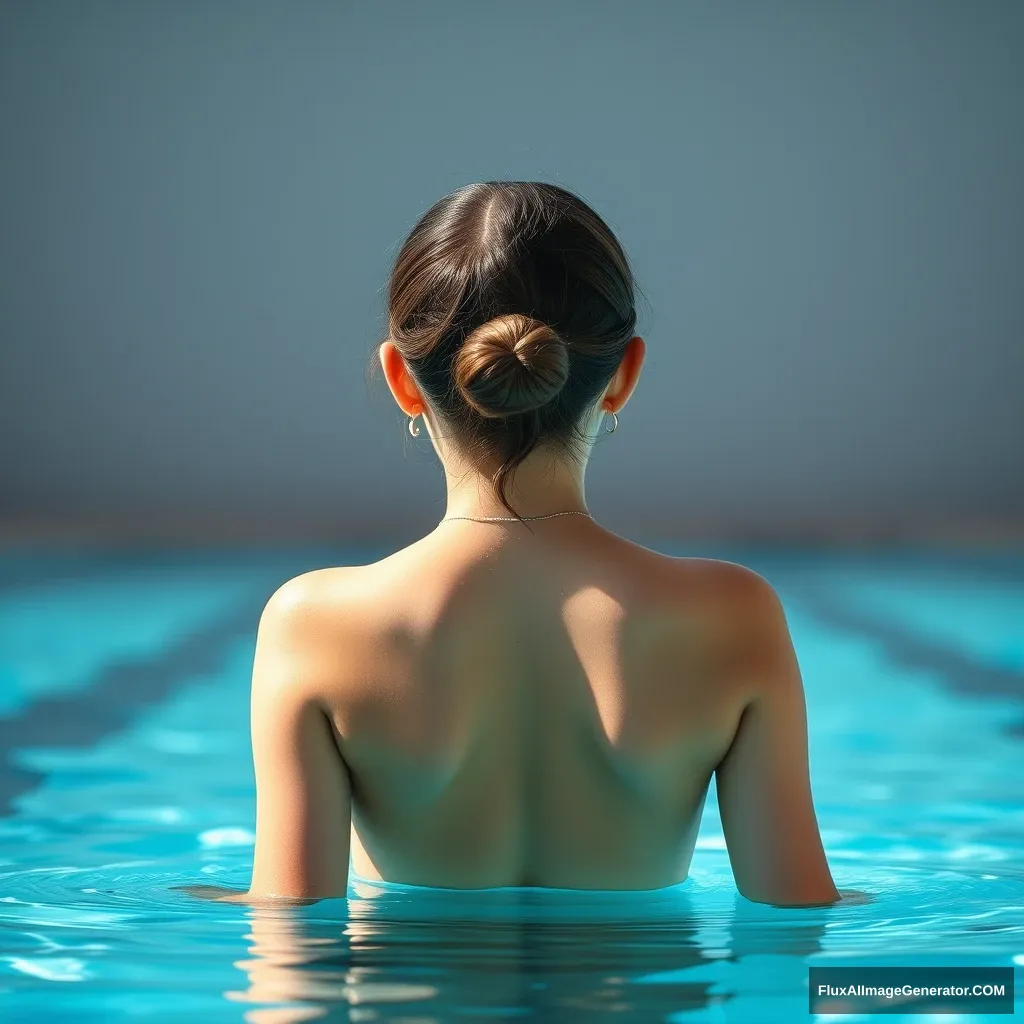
120,690
958,672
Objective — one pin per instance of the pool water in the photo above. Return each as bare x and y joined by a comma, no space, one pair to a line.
126,771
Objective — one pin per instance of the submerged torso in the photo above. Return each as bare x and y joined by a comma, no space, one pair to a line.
531,710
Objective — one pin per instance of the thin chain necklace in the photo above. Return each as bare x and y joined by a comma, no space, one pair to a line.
512,519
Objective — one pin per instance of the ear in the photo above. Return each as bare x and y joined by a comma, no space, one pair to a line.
400,380
626,376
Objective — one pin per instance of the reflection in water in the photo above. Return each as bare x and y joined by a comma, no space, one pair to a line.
427,955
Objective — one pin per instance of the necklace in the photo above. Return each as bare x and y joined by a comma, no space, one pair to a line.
512,519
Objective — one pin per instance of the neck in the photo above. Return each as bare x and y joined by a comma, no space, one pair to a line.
540,487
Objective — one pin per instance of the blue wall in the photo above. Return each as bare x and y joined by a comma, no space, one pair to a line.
201,202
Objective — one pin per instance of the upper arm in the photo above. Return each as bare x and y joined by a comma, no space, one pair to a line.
763,781
303,800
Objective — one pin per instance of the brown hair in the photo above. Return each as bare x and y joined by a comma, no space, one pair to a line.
511,303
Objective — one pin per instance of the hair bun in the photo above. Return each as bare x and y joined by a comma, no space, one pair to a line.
510,365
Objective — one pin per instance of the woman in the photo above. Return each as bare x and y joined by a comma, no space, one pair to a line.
522,697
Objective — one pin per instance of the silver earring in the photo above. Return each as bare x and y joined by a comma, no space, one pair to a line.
413,429
615,425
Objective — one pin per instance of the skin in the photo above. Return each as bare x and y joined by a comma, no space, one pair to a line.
492,707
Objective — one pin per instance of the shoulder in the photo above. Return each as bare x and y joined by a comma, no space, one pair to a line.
746,611
308,600
733,589
737,585
300,625
740,584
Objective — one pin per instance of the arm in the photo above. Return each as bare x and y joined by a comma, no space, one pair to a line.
303,800
764,791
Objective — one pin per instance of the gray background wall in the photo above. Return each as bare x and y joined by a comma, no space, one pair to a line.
201,202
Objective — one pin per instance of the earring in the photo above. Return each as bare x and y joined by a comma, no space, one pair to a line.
615,425
413,429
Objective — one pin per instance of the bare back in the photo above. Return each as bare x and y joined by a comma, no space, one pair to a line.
539,709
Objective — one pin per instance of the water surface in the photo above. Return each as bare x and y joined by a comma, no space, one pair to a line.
127,771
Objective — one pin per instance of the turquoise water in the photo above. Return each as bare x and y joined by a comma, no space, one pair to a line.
126,771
